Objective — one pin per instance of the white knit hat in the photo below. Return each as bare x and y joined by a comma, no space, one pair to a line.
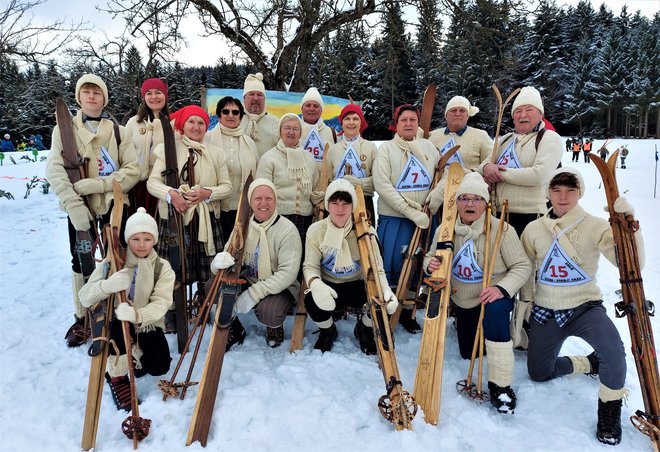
528,96
460,101
258,183
254,82
312,94
96,80
473,184
569,170
141,221
340,185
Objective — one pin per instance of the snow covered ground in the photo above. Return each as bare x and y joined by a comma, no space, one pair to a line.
269,399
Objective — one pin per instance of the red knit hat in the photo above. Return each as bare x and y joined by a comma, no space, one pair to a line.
181,116
154,83
397,112
354,108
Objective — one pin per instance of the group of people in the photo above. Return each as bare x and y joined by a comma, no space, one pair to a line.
577,144
548,254
29,144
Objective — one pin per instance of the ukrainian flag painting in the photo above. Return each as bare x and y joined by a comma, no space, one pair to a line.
278,103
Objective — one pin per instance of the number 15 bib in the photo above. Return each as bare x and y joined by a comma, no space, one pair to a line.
559,269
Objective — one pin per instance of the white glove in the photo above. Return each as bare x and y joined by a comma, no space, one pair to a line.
222,261
117,282
621,205
244,303
434,199
126,313
89,186
390,299
414,204
80,216
317,197
355,181
418,217
324,296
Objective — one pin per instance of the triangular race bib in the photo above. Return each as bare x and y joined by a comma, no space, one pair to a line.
464,266
314,145
107,166
454,158
329,262
351,158
414,176
509,158
559,269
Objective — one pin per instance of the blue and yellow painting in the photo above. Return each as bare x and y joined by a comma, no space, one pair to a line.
279,103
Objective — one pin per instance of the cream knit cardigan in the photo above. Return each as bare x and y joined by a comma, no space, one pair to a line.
365,150
146,135
269,132
476,145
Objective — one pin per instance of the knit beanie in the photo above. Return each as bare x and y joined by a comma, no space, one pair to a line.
259,183
354,108
473,184
528,96
95,80
140,221
460,101
254,82
154,83
340,185
314,95
569,170
181,116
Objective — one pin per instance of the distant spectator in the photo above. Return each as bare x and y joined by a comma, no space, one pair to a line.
39,143
7,145
569,145
30,147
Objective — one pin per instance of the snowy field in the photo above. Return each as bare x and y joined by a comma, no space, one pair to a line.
268,399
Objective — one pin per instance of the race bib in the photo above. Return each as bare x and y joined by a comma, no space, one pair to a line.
350,158
252,269
328,264
464,266
509,158
414,177
314,145
454,158
107,166
560,270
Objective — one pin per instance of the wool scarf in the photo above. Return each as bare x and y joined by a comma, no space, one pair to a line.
245,155
412,146
144,280
252,129
570,220
295,164
258,240
335,243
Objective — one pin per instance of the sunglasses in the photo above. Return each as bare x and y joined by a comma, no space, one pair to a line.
226,111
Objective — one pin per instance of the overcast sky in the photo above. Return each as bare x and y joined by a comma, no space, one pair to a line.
202,52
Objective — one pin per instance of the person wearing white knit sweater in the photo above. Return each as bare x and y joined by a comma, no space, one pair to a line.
258,124
525,160
511,270
148,282
271,261
565,246
315,133
333,272
476,145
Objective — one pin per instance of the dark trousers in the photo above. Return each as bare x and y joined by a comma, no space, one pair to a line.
576,156
155,357
349,295
589,322
520,220
227,221
586,157
497,317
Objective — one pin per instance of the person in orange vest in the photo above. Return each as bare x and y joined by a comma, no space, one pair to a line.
576,150
586,148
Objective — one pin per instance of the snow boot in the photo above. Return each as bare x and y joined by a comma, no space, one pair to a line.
236,334
120,388
365,335
502,398
326,338
275,336
170,322
409,322
587,365
594,363
608,429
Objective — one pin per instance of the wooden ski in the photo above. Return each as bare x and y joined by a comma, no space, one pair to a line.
635,307
428,102
298,332
228,283
410,277
174,237
428,378
101,315
397,406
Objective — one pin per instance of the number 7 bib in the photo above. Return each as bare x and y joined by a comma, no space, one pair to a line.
414,177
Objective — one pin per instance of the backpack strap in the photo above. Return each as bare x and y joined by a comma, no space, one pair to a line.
539,137
157,269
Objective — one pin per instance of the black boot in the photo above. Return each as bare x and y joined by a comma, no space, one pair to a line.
502,398
236,334
326,339
120,388
365,335
594,363
409,322
77,334
275,336
608,430
170,322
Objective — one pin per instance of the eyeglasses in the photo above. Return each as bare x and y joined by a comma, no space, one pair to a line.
226,111
478,200
291,129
